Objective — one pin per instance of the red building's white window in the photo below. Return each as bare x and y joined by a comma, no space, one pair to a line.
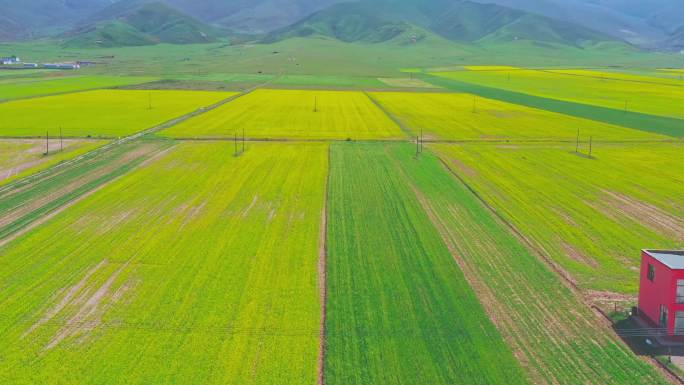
680,291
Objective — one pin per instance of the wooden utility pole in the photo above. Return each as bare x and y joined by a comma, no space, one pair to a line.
577,142
235,142
61,140
315,103
243,140
421,140
47,143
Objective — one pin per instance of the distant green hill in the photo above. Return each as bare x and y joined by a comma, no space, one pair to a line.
459,21
353,22
24,19
134,23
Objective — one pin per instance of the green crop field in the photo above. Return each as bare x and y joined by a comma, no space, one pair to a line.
555,336
618,94
406,83
21,73
329,81
639,78
100,113
125,287
399,310
28,87
469,117
293,114
19,158
590,215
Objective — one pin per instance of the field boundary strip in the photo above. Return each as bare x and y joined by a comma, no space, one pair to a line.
639,121
404,128
323,276
579,294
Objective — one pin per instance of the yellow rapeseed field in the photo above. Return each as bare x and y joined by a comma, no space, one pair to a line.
101,113
294,114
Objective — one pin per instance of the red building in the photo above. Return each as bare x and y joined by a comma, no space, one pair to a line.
661,294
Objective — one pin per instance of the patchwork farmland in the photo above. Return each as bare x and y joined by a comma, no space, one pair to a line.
467,117
591,219
156,244
630,93
112,274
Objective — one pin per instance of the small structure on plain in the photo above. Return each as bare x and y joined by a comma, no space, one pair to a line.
661,291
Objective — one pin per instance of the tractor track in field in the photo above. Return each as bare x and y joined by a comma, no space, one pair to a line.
322,277
26,213
566,279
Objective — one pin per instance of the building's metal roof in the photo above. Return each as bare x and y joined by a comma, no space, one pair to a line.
674,259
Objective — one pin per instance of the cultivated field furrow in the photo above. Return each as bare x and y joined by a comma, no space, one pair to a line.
399,309
591,216
20,158
222,273
554,335
28,202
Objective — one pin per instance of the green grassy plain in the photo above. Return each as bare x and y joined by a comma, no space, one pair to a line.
293,114
399,310
451,116
312,57
29,87
20,158
654,99
217,283
100,113
557,339
591,216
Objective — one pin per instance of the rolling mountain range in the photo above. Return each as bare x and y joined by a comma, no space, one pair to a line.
645,23
131,23
459,21
576,23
